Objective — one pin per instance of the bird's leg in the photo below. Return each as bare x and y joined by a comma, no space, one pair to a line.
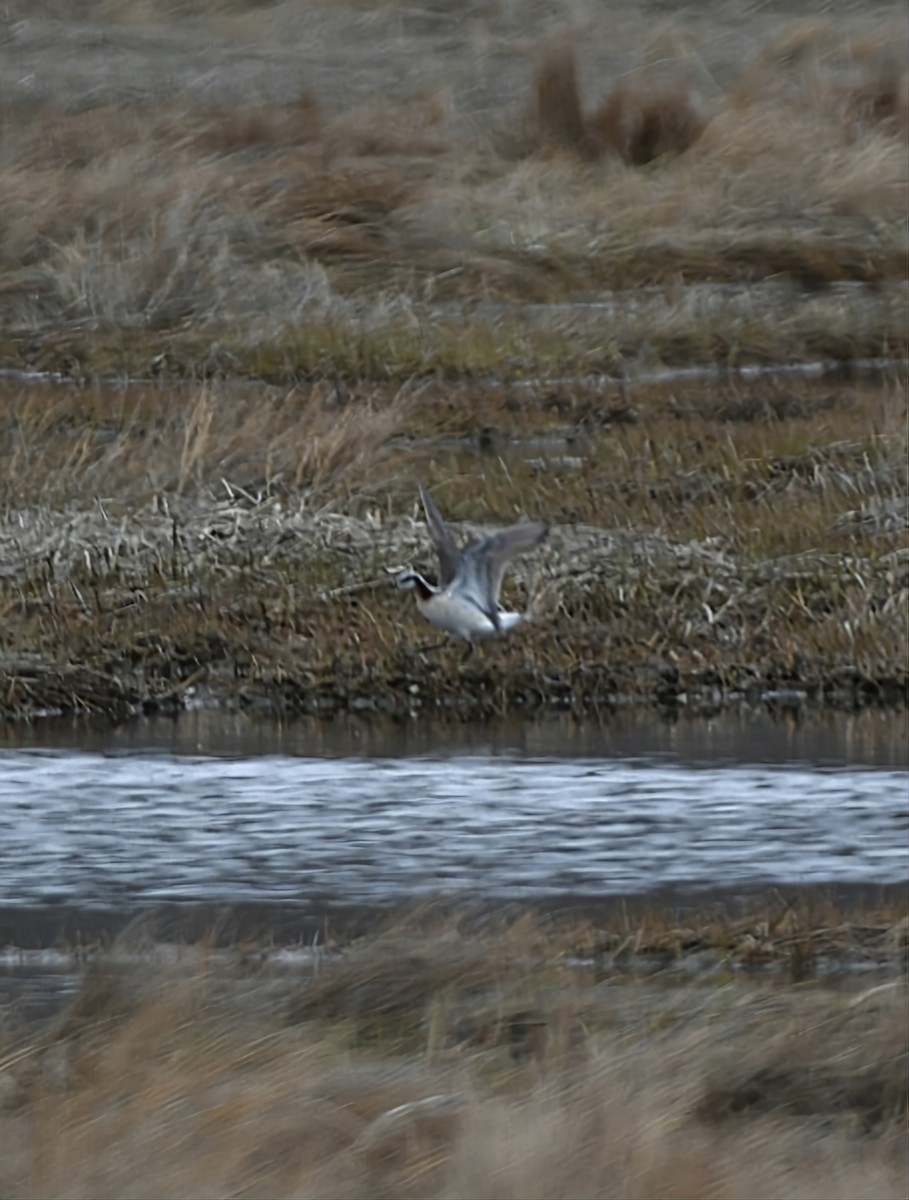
467,653
433,646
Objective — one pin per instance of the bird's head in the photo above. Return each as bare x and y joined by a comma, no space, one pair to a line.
410,580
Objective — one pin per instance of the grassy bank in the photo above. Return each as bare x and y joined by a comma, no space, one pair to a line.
352,249
477,1055
706,542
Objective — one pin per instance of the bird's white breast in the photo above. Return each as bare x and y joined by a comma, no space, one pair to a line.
457,616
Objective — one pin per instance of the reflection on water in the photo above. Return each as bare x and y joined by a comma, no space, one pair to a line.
219,809
747,735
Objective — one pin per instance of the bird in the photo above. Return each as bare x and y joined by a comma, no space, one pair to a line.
465,602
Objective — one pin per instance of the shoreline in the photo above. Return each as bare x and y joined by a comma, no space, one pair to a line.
753,924
43,691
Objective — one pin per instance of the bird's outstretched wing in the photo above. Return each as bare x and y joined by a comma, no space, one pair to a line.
483,562
449,554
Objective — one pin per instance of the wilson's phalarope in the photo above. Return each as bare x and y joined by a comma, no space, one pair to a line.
466,600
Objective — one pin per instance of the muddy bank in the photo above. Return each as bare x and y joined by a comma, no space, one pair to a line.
36,689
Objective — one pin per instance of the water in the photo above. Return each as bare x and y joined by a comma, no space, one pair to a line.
706,373
217,809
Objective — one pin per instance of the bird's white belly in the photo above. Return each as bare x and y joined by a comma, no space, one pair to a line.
460,617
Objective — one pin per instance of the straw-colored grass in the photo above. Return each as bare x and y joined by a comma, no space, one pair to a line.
746,537
243,172
432,1062
376,244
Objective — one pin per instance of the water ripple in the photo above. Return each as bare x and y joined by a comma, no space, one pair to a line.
93,829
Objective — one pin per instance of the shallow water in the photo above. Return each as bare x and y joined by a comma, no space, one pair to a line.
219,809
878,367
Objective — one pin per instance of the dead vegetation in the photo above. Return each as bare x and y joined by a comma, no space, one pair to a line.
651,113
374,252
440,1058
703,544
245,174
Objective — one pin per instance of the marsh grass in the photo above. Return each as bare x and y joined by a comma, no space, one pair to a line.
350,249
341,165
240,540
443,1057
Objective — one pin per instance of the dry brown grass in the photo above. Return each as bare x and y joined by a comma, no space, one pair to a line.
248,170
650,113
748,537
137,444
348,204
509,1070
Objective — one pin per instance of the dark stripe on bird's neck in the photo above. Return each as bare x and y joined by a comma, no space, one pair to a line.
424,589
